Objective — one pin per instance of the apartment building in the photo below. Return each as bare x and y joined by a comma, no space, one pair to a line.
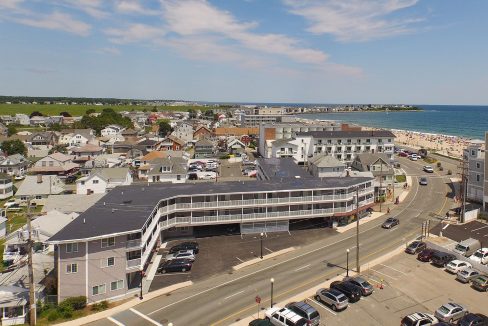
287,131
255,120
343,145
102,253
474,156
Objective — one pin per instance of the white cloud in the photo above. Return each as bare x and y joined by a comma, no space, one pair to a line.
93,8
10,4
134,33
134,7
56,21
354,20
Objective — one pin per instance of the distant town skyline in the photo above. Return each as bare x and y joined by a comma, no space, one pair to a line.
274,51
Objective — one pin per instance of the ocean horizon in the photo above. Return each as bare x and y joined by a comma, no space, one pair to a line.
466,121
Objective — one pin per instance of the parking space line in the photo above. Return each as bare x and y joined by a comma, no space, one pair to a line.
396,270
239,259
323,306
486,226
303,267
116,322
374,281
232,295
374,270
145,317
268,249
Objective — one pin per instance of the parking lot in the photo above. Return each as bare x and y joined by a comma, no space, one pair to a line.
475,229
409,286
213,259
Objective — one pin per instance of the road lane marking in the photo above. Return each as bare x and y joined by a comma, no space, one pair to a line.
116,322
145,317
323,306
232,295
303,267
486,226
374,270
396,270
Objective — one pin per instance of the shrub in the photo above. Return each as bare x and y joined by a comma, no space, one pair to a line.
102,305
225,157
441,168
401,178
53,315
65,311
76,303
449,172
439,164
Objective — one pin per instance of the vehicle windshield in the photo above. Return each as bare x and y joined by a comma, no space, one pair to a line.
478,254
414,244
301,322
444,310
464,272
342,298
460,247
314,314
407,321
365,284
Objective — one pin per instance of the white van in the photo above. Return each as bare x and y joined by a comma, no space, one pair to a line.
467,247
480,256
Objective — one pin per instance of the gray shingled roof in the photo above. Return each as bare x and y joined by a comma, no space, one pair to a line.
325,160
126,208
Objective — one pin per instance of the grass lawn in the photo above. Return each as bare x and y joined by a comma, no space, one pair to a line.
78,110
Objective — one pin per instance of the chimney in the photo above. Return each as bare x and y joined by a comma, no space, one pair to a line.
39,178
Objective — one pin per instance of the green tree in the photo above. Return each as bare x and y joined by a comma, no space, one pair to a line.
55,127
11,130
65,114
90,111
60,149
36,114
193,113
154,109
164,128
15,146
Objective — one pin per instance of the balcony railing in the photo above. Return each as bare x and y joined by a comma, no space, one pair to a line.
133,243
133,263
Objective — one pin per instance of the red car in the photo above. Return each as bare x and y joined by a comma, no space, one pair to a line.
403,154
426,255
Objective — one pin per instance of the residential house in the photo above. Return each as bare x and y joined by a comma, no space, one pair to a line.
14,165
39,187
3,223
474,156
202,132
204,149
183,131
111,130
6,186
85,153
130,134
170,169
56,163
149,144
48,138
77,137
39,121
235,146
379,165
14,305
176,143
7,119
324,165
103,180
3,130
22,119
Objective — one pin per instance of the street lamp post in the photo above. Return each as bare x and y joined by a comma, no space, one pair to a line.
358,268
140,295
347,263
272,282
262,234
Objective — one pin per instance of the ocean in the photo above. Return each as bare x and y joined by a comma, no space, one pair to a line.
464,121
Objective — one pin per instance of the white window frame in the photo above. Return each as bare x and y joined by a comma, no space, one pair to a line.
107,245
104,262
121,287
74,247
104,286
69,268
95,181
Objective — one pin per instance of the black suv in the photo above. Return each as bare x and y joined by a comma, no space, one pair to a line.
185,246
351,291
473,320
441,259
175,265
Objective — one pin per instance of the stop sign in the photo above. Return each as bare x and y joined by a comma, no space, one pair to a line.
258,299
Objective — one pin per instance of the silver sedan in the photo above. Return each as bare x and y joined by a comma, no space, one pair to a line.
450,312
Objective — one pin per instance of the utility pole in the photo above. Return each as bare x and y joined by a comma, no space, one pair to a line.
358,268
381,182
32,294
464,186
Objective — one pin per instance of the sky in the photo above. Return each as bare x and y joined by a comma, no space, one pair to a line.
277,51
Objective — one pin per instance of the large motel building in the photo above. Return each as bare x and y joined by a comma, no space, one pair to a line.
102,252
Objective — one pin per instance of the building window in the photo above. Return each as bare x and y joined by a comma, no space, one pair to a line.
98,289
478,178
108,242
38,197
71,268
110,261
116,285
478,165
82,183
95,181
71,247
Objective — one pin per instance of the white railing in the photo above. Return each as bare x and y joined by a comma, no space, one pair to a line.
19,320
133,243
133,263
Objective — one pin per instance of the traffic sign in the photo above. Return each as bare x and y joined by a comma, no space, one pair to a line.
258,299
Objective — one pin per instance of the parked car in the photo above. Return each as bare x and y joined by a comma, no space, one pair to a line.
467,247
192,176
390,223
428,169
333,298
365,286
19,177
413,157
473,320
466,275
426,254
403,154
306,311
480,256
480,283
441,259
450,312
9,203
191,245
284,317
186,254
175,265
457,265
423,181
418,319
260,322
351,291
415,247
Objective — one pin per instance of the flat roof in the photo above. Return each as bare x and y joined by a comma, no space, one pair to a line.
347,133
279,168
126,208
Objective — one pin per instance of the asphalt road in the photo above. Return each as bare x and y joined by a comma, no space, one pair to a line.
226,298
